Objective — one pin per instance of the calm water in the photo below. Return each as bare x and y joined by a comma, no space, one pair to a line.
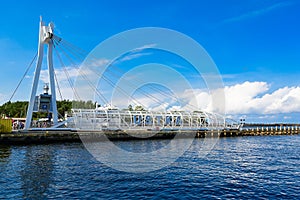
246,167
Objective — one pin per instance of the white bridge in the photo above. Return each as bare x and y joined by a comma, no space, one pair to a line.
109,118
114,119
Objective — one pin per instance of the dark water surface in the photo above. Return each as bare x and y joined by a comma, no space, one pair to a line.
265,167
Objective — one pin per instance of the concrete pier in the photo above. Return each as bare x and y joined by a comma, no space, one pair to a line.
271,130
35,137
69,135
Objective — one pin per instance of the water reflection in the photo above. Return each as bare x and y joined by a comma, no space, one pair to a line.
5,152
36,176
237,168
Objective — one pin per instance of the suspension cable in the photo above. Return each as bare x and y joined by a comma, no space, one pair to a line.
83,75
117,87
29,66
70,45
66,73
111,84
160,91
80,52
61,97
83,52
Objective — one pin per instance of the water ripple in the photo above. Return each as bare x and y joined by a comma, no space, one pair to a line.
244,168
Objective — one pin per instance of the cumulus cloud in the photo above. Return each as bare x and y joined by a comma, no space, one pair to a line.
60,74
75,81
252,98
64,79
242,98
283,100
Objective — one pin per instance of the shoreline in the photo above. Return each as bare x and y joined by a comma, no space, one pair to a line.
69,135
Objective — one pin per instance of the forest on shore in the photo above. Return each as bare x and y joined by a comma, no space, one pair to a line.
18,109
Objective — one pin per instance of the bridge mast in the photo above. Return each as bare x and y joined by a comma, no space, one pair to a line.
45,38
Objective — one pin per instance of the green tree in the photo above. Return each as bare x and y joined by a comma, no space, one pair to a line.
19,108
139,108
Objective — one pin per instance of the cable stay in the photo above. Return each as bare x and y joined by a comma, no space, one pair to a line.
110,82
82,75
137,80
66,73
61,97
77,52
29,66
114,72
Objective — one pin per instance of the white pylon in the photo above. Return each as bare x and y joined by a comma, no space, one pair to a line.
45,38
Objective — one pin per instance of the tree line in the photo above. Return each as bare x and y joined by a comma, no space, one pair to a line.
19,108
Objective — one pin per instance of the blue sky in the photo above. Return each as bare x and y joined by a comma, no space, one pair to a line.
250,41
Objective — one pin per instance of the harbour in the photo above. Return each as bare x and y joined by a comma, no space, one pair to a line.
150,100
105,119
110,122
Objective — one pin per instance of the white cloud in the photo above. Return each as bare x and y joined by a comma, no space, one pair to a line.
283,100
196,98
252,98
243,98
60,74
96,63
240,99
133,56
147,46
84,79
3,98
138,52
257,12
62,79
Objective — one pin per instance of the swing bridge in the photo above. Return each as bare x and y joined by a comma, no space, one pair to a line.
109,117
106,119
